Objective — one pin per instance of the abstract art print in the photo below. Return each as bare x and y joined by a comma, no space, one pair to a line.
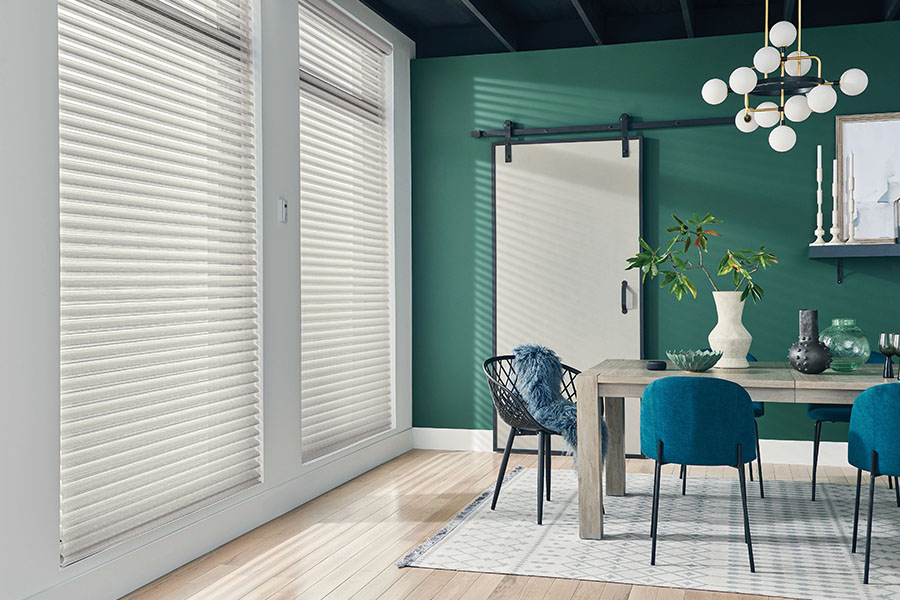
873,142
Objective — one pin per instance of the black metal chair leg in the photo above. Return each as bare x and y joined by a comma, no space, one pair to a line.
750,468
747,537
762,492
856,509
547,454
891,482
654,521
503,463
683,479
540,480
681,471
869,523
818,435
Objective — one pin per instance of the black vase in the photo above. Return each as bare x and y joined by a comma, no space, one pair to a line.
808,354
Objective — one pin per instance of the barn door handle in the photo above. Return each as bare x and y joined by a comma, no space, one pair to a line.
624,297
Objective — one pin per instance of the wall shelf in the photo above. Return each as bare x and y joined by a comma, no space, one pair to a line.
852,251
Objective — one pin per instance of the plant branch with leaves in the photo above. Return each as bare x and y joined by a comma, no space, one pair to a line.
676,262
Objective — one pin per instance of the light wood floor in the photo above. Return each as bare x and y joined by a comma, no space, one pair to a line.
344,544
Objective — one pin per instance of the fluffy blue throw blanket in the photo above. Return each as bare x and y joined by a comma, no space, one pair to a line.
539,382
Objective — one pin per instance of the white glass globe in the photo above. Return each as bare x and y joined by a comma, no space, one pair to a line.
797,67
854,82
767,118
783,33
714,91
767,59
742,80
821,98
796,108
782,138
742,124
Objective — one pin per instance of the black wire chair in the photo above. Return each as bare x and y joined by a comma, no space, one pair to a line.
510,406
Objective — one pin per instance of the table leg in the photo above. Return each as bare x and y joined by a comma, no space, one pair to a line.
590,479
615,459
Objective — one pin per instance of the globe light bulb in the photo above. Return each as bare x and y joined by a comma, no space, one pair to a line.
741,122
854,82
714,91
782,138
742,80
783,33
767,59
797,67
821,98
767,118
796,108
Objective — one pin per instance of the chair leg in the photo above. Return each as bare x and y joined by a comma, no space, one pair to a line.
891,482
747,537
547,454
683,479
762,492
897,491
856,509
869,523
540,480
818,435
503,463
654,521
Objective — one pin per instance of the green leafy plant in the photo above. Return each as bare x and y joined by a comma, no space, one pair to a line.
674,263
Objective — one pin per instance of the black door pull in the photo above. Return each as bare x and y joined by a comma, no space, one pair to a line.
624,297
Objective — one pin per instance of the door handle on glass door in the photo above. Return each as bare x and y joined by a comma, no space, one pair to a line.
624,297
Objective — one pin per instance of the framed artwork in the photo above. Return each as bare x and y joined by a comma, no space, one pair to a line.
874,142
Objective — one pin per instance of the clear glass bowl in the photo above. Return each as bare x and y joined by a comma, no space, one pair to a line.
847,343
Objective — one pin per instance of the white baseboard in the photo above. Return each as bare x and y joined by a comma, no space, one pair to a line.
433,438
773,451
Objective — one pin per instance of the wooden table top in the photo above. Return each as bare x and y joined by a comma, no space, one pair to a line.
759,374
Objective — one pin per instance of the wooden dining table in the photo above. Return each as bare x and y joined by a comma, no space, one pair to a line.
612,381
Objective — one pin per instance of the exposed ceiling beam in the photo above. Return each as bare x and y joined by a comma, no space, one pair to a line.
590,16
391,16
789,9
890,9
495,20
687,13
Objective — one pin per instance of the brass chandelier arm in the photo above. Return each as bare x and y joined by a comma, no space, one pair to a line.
815,58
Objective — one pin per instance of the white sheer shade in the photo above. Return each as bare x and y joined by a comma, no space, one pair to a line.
345,234
158,264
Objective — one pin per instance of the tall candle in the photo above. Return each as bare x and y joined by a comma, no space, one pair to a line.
819,156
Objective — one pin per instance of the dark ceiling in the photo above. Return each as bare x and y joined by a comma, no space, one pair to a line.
455,27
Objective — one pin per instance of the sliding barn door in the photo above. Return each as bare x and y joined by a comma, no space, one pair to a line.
567,215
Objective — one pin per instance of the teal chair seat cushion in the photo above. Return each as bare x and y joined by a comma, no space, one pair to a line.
759,409
699,420
835,413
875,426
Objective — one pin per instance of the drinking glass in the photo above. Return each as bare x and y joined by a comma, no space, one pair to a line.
886,347
895,342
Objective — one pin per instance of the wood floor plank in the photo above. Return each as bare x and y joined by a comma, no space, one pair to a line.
343,545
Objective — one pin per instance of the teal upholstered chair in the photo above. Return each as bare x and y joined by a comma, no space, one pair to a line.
833,413
759,410
697,421
874,446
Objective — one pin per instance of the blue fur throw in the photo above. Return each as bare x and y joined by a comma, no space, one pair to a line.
539,382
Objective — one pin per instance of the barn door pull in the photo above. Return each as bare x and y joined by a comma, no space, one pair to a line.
624,297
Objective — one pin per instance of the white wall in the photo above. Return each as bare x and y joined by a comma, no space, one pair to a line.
29,318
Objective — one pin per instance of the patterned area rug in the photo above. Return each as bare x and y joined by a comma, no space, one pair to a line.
801,548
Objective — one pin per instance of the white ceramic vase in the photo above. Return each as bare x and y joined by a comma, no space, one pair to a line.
729,335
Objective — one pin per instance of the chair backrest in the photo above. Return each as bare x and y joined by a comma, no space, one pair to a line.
700,421
875,426
501,378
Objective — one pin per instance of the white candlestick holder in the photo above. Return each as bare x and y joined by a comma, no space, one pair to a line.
835,217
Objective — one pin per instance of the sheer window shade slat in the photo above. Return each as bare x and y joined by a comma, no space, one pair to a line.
158,268
345,253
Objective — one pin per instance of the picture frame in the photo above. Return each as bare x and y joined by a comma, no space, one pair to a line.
874,141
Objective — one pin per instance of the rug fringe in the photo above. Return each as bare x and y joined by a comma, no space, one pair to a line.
422,548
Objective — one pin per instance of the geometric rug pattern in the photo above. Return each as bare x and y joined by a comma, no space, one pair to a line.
801,548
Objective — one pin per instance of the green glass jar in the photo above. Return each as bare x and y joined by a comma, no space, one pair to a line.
847,343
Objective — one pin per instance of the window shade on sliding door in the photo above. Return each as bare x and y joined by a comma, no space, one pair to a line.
345,244
158,265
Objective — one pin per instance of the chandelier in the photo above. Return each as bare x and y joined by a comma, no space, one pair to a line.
798,93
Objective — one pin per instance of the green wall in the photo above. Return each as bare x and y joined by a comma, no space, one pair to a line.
763,196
